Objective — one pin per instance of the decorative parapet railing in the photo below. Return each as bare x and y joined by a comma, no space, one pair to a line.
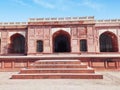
108,21
60,19
12,23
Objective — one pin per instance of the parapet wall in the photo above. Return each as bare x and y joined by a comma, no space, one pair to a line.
89,19
60,19
108,21
12,23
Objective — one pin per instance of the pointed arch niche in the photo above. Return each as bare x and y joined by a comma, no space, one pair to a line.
61,42
108,42
17,44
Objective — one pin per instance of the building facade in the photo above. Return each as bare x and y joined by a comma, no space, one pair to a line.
60,35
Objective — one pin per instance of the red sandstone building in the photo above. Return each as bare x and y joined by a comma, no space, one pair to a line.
53,36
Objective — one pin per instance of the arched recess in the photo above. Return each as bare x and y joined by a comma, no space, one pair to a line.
61,41
17,44
108,42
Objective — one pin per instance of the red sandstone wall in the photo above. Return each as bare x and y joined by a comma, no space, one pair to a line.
43,31
39,33
5,37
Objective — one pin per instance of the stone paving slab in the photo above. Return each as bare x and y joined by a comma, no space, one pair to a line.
111,81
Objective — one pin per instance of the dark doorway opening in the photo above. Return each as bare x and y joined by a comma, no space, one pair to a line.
17,44
83,45
61,42
39,46
108,42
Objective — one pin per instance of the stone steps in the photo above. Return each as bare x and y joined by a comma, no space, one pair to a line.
58,76
57,69
58,62
59,66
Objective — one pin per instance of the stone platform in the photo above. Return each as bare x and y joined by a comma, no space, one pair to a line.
57,69
16,62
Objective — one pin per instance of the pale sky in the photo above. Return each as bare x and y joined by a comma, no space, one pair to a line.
21,10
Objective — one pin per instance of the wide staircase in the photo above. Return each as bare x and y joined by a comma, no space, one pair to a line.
58,69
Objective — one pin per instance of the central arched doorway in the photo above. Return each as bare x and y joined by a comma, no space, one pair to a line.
17,45
61,42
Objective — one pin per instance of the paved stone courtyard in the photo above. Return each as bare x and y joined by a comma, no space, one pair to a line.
111,81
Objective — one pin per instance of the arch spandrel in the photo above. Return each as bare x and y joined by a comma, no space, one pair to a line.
107,30
12,33
54,30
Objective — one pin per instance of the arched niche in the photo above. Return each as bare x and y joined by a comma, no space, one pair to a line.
108,42
61,41
17,44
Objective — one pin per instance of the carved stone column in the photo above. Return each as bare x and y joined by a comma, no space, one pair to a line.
31,41
90,39
74,41
4,44
47,45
